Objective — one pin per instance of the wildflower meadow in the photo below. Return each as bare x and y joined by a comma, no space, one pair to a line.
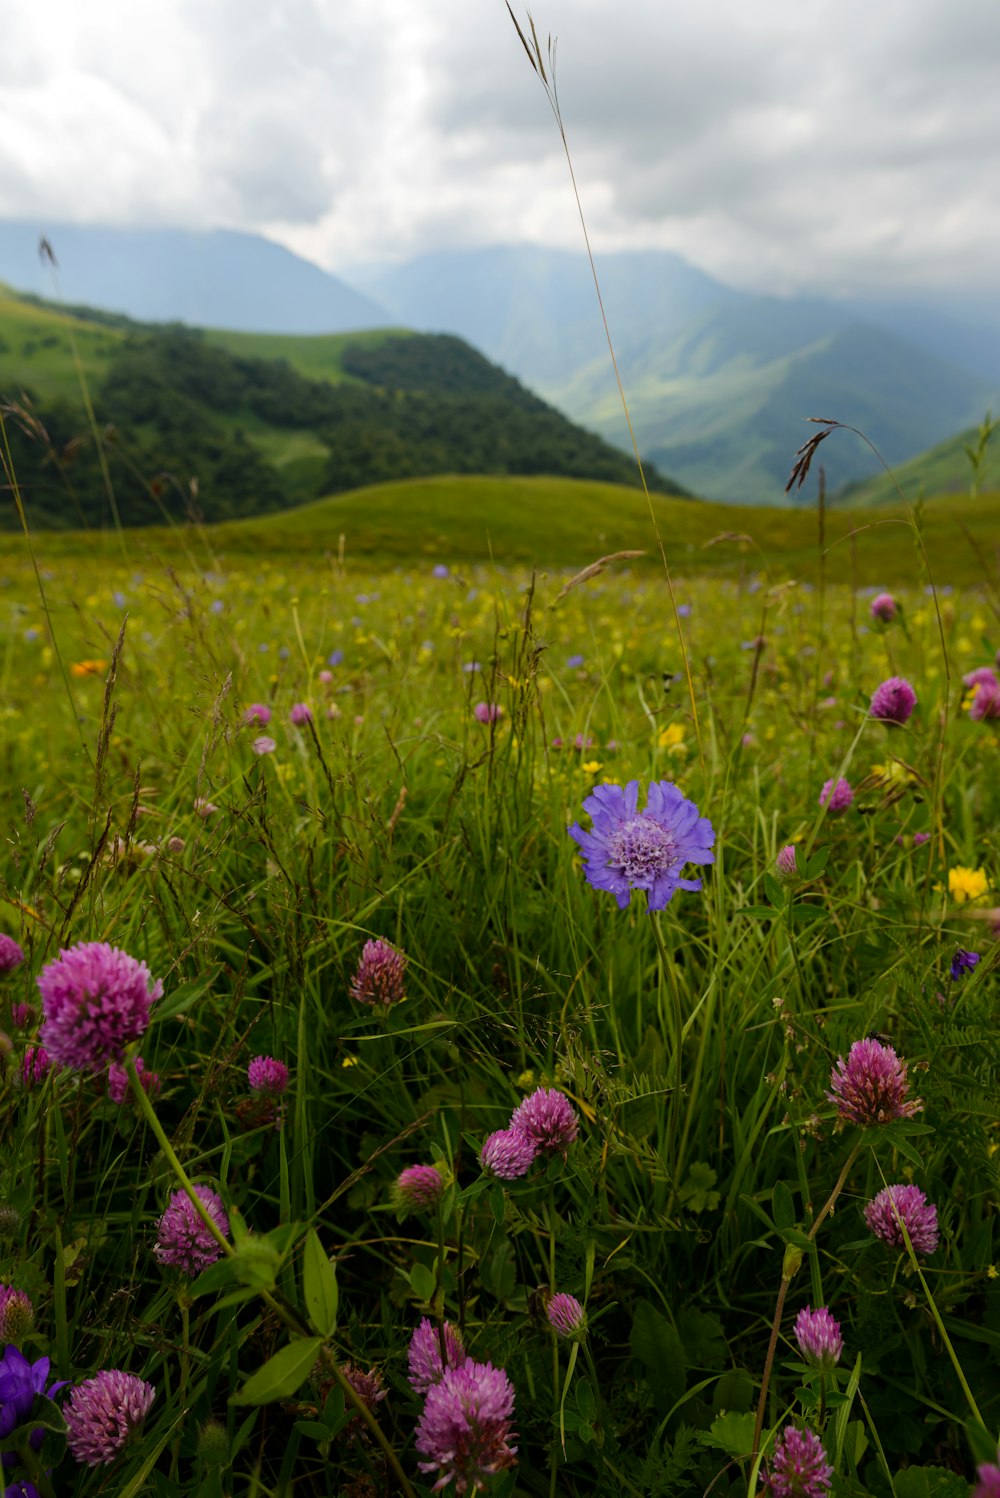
469,1030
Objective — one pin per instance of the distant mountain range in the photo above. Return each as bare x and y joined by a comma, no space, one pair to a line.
719,382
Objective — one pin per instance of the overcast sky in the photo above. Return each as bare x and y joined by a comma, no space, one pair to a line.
841,145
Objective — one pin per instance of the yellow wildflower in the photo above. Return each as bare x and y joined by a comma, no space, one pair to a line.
671,737
967,884
88,668
592,766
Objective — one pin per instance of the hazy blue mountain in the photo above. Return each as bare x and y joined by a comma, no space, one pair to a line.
535,310
218,278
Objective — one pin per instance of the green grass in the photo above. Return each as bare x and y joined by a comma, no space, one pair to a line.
317,357
36,350
942,470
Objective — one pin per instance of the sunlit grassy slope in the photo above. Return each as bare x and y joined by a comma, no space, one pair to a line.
317,357
557,523
944,469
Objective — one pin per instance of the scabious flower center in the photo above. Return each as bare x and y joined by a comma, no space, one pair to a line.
641,848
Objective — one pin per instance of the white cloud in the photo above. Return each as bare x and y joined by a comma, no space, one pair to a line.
840,145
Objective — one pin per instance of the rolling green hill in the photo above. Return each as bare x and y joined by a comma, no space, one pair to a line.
944,469
220,426
568,523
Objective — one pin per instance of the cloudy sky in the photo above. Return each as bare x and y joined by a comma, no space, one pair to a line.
781,145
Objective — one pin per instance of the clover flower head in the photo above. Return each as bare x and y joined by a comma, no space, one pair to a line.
508,1154
798,1467
103,1412
487,712
264,744
418,1186
424,1363
893,701
258,714
785,865
909,1205
11,954
380,974
836,795
985,705
884,608
182,1240
96,1000
464,1431
628,849
118,1085
267,1076
818,1336
300,713
371,1390
35,1066
566,1315
17,1314
870,1087
987,1480
547,1118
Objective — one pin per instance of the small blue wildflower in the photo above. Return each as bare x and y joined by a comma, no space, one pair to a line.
962,962
574,662
335,658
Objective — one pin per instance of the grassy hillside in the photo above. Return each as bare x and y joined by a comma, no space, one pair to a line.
944,469
564,523
37,349
317,358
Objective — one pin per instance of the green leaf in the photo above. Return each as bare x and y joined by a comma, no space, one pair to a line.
774,891
319,1285
656,1343
982,1445
759,912
818,862
930,1482
281,1375
731,1433
422,1282
498,1203
783,1205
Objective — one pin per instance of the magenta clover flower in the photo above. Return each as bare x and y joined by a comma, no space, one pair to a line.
893,701
985,706
418,1186
884,608
507,1154
547,1119
819,1338
909,1204
11,954
836,795
798,1467
379,978
118,1084
424,1364
464,1431
566,1315
646,850
785,865
96,1000
987,1480
267,1076
103,1412
870,1087
487,712
35,1065
182,1240
257,714
982,676
301,713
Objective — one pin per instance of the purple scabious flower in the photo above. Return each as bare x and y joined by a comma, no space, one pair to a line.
508,1154
103,1412
893,701
566,1315
785,865
11,954
118,1084
301,713
884,608
870,1087
909,1204
35,1065
96,1000
985,706
16,1315
464,1431
547,1119
268,1076
379,978
836,795
182,1240
418,1186
629,849
487,712
963,962
819,1338
987,1480
424,1365
798,1467
439,570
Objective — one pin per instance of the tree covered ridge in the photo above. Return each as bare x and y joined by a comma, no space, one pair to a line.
192,430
